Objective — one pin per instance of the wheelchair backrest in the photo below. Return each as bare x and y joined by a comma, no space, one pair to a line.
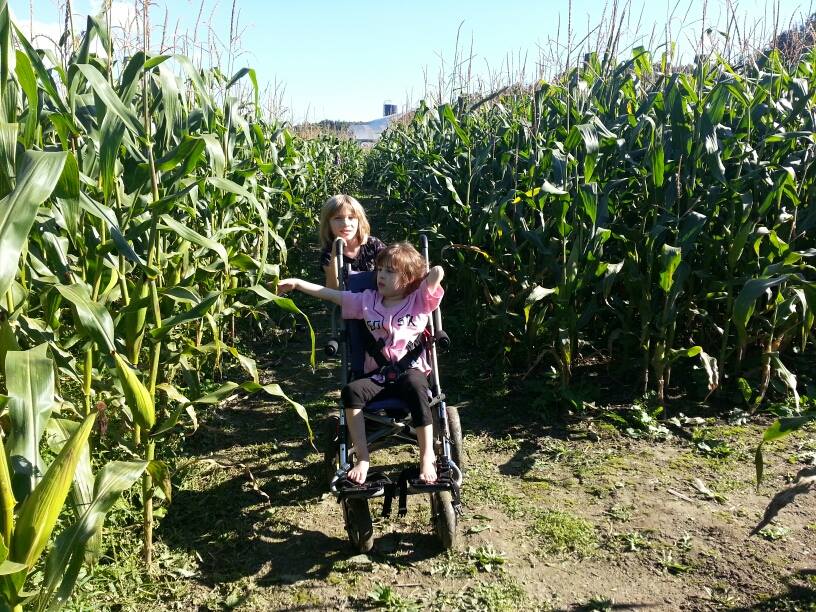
355,330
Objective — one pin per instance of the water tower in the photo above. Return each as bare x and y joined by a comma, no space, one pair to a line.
389,108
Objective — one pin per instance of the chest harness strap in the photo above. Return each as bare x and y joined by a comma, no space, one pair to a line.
390,370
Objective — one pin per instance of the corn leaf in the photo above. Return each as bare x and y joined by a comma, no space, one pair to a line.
58,432
64,561
110,98
196,238
39,511
30,384
36,177
93,316
745,303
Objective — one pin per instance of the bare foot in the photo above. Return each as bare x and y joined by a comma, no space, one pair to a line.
359,472
427,469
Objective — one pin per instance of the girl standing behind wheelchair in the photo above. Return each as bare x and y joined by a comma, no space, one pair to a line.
342,216
396,314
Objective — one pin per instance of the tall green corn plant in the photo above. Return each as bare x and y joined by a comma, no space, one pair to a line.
674,175
110,245
33,493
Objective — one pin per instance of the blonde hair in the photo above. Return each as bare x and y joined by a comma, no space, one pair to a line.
331,207
404,259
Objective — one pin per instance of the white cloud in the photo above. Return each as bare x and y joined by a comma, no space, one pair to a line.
46,34
43,34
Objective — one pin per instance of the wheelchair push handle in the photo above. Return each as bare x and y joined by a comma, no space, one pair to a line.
442,339
338,248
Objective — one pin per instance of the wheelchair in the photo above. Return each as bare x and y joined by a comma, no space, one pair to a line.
388,423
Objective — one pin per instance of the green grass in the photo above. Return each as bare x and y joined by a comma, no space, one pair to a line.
501,594
485,484
562,533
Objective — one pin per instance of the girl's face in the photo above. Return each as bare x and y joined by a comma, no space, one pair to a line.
389,282
344,224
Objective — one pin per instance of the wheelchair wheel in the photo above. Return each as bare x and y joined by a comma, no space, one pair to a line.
331,449
444,518
357,517
457,449
456,445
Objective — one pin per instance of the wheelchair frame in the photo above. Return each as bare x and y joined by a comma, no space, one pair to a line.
387,430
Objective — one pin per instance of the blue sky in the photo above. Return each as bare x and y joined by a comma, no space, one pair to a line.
342,59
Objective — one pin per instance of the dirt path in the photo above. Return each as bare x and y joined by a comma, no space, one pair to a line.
578,517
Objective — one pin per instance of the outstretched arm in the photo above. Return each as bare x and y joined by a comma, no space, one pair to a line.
435,278
286,285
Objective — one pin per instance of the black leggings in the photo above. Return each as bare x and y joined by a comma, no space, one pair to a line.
411,387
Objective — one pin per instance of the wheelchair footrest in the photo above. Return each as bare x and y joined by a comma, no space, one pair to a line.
376,485
416,485
409,483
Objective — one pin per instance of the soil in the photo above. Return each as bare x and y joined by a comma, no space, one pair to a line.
576,515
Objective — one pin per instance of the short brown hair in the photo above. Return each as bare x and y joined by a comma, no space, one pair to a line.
404,259
334,204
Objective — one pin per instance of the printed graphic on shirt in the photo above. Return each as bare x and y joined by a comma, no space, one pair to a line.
406,320
403,321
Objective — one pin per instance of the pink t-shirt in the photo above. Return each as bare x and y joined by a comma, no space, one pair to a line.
397,325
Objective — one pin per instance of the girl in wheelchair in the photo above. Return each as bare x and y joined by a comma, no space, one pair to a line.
396,314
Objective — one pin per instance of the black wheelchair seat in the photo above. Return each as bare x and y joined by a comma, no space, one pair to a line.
390,407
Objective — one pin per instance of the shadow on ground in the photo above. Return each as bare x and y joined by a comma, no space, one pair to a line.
799,595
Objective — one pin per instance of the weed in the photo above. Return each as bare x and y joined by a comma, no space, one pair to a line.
710,446
597,604
562,532
385,597
453,564
505,444
502,595
604,463
638,422
773,533
633,541
721,595
485,558
620,512
667,561
586,461
685,543
553,452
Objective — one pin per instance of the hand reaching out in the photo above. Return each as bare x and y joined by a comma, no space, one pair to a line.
285,285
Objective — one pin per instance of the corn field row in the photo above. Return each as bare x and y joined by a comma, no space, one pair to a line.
660,217
140,221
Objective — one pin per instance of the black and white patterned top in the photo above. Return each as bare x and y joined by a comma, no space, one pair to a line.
364,262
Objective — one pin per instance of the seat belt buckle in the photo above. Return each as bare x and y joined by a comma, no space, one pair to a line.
390,374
